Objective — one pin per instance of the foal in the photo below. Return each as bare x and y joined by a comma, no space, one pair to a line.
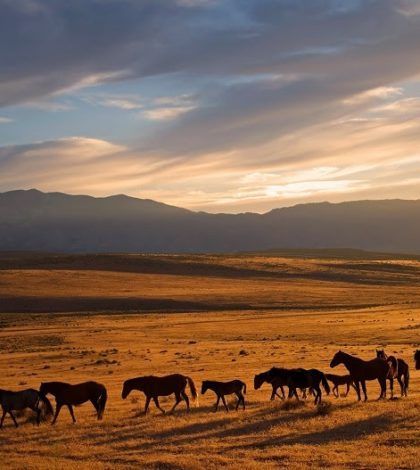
225,388
340,380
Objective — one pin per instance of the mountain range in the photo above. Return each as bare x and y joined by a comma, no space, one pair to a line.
31,220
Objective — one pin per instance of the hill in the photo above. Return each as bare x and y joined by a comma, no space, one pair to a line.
35,221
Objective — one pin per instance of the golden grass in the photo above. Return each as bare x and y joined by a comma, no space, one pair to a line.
288,321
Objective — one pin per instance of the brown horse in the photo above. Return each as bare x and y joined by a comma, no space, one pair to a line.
399,371
154,387
417,359
16,401
226,388
360,371
69,395
340,380
276,383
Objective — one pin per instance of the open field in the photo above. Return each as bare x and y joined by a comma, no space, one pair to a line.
109,318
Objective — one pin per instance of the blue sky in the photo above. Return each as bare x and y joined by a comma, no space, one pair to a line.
223,106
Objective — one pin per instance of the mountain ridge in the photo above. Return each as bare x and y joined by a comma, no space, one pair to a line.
34,220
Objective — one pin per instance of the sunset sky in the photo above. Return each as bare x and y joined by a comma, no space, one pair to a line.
222,106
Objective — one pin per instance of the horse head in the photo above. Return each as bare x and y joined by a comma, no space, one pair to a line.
417,359
380,353
337,359
204,387
126,389
259,380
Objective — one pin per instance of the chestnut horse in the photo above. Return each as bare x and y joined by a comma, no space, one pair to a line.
69,395
401,371
154,387
360,371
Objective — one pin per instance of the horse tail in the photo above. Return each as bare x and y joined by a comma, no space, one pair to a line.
193,389
244,387
48,407
325,384
102,402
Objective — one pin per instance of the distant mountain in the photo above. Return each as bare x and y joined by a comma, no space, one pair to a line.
56,222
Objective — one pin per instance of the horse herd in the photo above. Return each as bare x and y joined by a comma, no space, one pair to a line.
381,368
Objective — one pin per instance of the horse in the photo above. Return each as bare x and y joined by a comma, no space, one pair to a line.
69,395
154,387
360,371
417,359
226,388
301,378
340,380
393,368
16,401
401,371
276,383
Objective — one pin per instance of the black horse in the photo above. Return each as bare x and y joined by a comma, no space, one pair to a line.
68,395
417,359
302,378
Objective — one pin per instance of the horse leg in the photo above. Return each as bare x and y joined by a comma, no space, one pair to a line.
357,388
274,393
146,405
238,394
364,389
391,386
401,385
335,391
2,418
382,383
224,402
318,394
156,400
303,393
71,413
57,411
217,403
13,417
187,400
347,390
177,401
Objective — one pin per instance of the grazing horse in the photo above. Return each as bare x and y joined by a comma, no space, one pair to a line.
276,383
301,378
340,380
401,372
15,401
226,388
360,371
154,387
417,359
69,395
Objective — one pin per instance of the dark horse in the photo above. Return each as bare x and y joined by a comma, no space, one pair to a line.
16,401
301,378
154,387
400,371
69,395
360,371
276,383
226,388
340,380
417,359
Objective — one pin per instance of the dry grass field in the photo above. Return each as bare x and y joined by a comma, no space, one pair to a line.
109,318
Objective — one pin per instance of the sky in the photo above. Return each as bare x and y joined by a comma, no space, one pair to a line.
214,105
